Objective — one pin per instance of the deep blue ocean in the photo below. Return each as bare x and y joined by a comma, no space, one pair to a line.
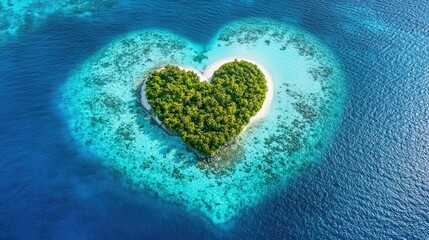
371,183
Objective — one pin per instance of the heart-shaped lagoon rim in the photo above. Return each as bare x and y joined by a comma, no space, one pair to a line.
99,102
207,110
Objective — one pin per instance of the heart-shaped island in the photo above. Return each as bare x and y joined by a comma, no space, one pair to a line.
208,113
301,111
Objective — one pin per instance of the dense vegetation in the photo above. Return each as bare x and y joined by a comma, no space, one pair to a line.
207,115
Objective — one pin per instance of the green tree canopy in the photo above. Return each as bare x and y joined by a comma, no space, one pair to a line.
207,115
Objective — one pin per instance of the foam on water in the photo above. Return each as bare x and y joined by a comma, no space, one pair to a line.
103,109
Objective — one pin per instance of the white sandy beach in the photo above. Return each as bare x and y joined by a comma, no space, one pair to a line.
207,75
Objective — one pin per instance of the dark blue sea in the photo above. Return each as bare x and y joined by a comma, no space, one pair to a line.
372,182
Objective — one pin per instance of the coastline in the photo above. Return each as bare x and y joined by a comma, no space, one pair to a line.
206,75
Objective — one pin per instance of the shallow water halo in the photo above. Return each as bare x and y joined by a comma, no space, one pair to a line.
101,104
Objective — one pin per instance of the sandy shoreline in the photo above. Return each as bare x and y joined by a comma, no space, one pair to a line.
207,75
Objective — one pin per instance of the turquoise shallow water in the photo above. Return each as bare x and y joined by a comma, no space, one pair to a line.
102,106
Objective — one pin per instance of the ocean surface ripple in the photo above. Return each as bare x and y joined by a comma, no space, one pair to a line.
369,183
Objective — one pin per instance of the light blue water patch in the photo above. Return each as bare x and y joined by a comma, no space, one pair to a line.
102,105
25,15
